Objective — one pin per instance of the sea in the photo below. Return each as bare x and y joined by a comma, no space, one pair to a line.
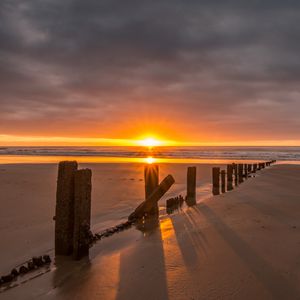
140,154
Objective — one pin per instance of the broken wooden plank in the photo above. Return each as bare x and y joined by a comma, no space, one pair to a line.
145,207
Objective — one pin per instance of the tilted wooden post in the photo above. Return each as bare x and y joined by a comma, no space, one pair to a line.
240,171
82,212
145,207
229,177
216,180
223,176
191,186
64,211
151,177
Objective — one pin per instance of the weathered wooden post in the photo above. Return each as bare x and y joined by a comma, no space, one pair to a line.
146,207
191,186
82,212
249,168
254,168
151,177
229,177
216,180
246,171
263,165
240,171
64,211
223,176
235,169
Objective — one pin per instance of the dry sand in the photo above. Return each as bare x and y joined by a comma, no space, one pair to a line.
244,244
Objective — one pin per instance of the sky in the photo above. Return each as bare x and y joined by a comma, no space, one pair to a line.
109,71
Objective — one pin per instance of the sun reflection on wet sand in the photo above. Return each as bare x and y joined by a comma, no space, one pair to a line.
174,263
150,160
32,159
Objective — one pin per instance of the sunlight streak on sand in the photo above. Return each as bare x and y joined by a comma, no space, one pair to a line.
175,267
32,159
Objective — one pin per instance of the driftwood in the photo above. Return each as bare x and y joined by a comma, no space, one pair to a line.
145,207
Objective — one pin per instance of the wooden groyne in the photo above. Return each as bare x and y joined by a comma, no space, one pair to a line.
73,236
240,172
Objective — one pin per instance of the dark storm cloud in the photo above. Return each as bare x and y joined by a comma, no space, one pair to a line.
226,64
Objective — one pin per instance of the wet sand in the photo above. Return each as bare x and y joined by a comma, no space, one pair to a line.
240,245
27,202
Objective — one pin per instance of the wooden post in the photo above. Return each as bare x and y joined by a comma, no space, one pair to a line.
254,168
223,176
145,207
249,168
246,171
235,169
151,177
64,211
229,177
240,171
216,180
191,186
263,165
82,212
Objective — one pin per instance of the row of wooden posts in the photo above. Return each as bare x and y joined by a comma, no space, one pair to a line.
73,206
73,199
237,171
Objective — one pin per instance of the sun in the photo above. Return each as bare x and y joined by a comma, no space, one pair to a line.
150,142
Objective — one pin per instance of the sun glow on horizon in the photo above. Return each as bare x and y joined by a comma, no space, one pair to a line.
150,142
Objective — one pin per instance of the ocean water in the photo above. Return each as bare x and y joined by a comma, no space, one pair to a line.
200,153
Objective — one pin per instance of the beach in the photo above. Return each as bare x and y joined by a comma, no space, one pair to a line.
243,244
28,193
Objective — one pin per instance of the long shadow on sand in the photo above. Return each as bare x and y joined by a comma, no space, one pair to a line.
191,241
142,273
276,284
